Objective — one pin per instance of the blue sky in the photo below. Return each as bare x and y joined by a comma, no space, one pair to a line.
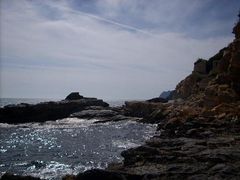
111,49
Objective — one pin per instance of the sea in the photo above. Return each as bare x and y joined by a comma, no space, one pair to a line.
53,149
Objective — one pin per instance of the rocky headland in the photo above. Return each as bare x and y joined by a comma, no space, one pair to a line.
198,134
73,106
22,113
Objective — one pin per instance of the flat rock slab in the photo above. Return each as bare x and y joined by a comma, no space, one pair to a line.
89,114
102,115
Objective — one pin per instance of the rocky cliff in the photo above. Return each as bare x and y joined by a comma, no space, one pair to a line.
216,80
198,132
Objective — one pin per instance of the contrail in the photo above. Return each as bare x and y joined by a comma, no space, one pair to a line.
106,20
116,23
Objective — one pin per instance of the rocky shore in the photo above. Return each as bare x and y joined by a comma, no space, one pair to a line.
74,105
198,135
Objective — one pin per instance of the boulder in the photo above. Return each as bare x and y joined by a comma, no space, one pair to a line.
74,96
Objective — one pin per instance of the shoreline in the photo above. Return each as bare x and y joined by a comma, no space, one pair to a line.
198,134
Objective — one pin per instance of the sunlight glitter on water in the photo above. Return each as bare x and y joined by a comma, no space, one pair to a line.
52,149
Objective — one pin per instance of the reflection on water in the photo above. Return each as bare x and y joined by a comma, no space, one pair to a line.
52,149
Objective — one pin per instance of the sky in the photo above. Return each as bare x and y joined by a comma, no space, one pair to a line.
109,49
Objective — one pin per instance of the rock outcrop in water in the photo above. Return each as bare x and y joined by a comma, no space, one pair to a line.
103,114
45,111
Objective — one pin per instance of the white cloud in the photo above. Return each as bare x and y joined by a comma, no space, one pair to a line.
79,52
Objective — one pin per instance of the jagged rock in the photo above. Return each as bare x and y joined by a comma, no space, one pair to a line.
74,96
209,75
191,85
200,66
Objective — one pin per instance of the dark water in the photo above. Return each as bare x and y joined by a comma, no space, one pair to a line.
68,146
7,101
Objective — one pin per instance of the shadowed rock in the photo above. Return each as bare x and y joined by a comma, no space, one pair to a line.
8,176
98,174
94,113
157,100
74,96
41,112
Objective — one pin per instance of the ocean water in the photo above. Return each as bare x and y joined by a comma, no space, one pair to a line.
67,146
7,101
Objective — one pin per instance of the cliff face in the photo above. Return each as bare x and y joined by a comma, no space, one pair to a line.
216,80
197,137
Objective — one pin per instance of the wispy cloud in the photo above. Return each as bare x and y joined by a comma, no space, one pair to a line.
49,49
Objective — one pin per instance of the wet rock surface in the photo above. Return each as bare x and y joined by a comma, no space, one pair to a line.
94,113
103,114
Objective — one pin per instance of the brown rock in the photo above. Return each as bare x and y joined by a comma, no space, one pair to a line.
141,108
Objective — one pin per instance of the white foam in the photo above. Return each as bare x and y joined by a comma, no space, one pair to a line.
124,144
62,123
